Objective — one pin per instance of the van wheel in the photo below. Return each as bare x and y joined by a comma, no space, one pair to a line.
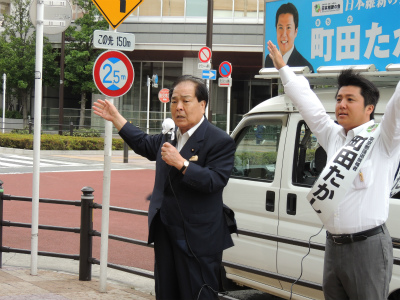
227,284
395,295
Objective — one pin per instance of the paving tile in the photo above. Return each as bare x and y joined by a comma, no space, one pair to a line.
34,297
20,288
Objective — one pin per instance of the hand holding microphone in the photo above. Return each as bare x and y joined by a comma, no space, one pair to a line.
168,129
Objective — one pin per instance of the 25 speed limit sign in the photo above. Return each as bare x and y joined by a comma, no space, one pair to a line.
113,73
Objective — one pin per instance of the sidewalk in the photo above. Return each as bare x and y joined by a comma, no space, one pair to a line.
57,279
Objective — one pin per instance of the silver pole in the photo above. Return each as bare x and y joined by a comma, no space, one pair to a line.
105,211
4,100
36,137
148,104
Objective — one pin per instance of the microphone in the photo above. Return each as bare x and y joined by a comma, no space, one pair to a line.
168,129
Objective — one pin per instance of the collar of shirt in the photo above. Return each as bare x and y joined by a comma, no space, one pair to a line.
183,138
287,55
353,132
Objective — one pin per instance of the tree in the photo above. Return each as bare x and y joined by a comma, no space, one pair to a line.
18,48
80,54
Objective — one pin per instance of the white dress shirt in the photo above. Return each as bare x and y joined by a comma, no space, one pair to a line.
366,203
287,55
181,139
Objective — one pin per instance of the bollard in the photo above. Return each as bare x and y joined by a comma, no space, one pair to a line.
71,129
125,152
1,223
86,238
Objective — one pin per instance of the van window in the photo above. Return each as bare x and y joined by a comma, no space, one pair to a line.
310,157
256,151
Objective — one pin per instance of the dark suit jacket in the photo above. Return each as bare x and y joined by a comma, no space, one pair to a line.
199,191
295,60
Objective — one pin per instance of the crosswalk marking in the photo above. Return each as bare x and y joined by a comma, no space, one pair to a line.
16,161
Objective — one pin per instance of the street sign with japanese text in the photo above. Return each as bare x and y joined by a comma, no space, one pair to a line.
115,12
113,73
113,40
163,95
224,82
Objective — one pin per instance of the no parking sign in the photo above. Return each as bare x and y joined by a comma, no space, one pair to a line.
113,73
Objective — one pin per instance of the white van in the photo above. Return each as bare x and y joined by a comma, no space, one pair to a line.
276,162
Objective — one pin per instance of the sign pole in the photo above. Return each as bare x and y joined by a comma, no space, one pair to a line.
36,136
228,110
105,211
4,100
148,105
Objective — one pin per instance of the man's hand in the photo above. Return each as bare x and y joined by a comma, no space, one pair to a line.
109,112
171,156
275,56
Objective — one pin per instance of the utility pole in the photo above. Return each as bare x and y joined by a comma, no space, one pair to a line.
209,35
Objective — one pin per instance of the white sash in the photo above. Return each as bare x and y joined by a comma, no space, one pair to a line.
396,185
338,175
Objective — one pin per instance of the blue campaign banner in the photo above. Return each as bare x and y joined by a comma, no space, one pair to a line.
335,32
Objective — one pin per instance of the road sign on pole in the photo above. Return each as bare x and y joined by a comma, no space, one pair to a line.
113,73
103,39
115,14
225,69
205,54
163,95
57,15
209,74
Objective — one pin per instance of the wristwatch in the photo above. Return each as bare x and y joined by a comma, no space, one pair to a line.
185,165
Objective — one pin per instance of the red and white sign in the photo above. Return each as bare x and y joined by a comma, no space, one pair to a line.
163,95
225,69
205,54
113,73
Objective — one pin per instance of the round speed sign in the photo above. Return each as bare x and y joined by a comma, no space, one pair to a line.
113,73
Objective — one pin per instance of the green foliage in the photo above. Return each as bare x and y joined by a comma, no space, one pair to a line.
11,114
80,53
18,51
84,132
57,142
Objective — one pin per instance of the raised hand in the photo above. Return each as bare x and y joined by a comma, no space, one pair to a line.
275,56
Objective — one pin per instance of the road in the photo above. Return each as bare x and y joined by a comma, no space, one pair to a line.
63,175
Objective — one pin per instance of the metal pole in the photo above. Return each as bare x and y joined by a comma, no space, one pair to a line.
148,104
86,239
36,136
105,213
4,100
61,92
126,153
209,35
228,110
1,223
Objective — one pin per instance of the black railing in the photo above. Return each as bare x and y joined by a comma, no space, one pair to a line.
87,233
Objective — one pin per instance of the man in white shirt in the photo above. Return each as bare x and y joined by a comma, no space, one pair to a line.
359,255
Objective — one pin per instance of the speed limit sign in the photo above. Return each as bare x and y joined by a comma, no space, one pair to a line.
113,73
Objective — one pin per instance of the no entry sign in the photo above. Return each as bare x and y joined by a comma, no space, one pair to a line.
163,95
225,69
113,73
205,54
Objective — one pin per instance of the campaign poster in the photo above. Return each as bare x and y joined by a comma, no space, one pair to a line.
334,32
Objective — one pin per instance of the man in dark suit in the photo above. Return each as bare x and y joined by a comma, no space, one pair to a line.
287,23
186,218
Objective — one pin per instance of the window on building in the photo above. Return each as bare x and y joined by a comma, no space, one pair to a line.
150,8
246,8
223,8
196,8
173,8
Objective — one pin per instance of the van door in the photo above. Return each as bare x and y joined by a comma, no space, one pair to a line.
253,193
297,219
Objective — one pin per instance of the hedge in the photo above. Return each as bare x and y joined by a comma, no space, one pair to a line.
57,142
